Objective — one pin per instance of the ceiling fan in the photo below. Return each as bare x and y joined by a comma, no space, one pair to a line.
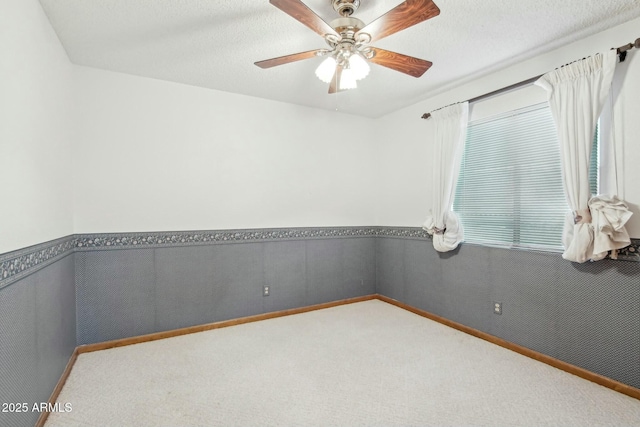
349,38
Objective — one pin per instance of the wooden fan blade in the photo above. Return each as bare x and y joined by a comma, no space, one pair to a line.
405,15
268,63
302,13
334,85
396,61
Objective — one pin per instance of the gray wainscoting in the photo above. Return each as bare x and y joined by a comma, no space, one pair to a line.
585,314
37,336
132,291
90,288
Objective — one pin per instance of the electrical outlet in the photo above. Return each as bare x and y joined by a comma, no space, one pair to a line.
266,290
497,307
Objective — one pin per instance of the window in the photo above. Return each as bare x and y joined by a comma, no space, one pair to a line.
509,191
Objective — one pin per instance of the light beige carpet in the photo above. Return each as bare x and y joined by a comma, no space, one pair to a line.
363,364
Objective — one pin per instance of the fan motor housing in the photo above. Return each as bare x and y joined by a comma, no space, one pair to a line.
347,26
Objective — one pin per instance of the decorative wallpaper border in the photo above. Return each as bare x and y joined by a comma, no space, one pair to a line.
189,238
631,252
403,232
18,264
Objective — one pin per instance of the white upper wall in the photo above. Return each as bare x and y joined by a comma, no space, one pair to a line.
84,150
403,151
35,118
151,155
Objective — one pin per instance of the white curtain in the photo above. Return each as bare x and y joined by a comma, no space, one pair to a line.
577,93
448,133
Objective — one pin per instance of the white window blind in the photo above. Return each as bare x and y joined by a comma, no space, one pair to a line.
509,190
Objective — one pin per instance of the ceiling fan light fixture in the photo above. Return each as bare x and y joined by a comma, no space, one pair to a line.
326,69
347,80
358,66
349,38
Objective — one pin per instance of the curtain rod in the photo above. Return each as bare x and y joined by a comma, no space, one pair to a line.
621,51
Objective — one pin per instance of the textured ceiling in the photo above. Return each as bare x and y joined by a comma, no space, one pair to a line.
214,43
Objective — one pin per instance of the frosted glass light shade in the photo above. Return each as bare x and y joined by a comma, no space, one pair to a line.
347,80
359,67
326,69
